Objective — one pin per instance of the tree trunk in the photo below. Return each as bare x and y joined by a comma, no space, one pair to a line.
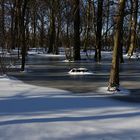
114,74
34,28
133,28
77,30
13,25
42,35
58,28
17,30
107,24
2,24
99,32
121,41
23,38
2,36
52,30
87,28
129,29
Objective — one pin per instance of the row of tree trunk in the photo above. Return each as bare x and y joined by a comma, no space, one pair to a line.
20,29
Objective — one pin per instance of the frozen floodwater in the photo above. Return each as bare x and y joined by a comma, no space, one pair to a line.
49,71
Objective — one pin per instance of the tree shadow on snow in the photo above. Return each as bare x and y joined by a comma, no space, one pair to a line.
31,106
70,119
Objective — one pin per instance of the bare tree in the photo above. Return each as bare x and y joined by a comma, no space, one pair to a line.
22,29
114,74
99,31
2,37
2,24
52,28
133,28
76,13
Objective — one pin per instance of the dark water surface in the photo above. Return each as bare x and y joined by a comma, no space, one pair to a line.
53,72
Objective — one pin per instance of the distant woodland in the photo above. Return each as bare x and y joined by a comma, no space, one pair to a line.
74,25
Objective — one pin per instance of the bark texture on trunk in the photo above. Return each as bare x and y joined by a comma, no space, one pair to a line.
77,30
133,28
99,32
114,74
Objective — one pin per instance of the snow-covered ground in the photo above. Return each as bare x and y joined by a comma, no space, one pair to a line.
29,112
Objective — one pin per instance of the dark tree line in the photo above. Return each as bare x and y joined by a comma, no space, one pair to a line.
75,25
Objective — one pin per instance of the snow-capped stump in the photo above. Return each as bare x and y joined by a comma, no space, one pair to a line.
113,89
80,71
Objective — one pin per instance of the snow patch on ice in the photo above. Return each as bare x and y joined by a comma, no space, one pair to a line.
122,91
51,55
134,56
68,61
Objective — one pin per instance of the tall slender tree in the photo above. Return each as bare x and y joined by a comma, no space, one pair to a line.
52,28
76,13
17,25
133,27
87,25
99,31
2,36
129,27
23,38
114,74
13,14
34,25
2,24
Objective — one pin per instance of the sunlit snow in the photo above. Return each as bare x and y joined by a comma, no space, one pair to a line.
30,112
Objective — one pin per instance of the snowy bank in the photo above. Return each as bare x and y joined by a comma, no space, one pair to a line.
30,112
